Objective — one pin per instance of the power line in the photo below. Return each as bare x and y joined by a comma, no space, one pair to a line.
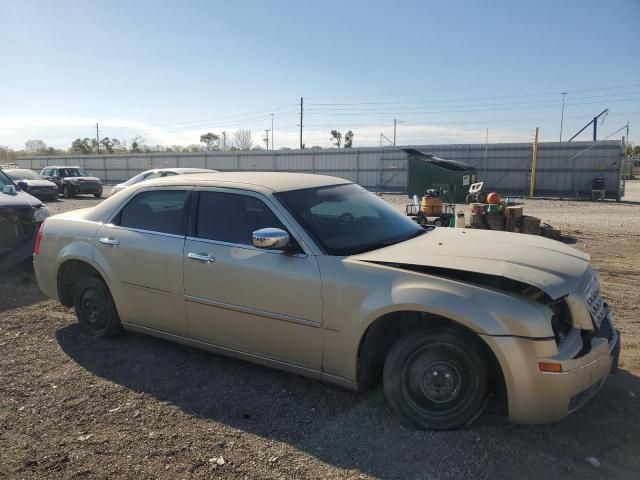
485,98
433,112
428,104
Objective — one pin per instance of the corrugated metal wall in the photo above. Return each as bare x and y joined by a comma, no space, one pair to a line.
506,168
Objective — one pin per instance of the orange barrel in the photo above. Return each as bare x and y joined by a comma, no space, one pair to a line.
494,198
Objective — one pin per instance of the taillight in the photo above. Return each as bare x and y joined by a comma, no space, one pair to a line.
36,248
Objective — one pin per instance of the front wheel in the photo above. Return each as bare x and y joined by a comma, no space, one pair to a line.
98,194
435,380
66,192
95,309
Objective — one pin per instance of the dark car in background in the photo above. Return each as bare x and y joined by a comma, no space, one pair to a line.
33,184
20,218
73,181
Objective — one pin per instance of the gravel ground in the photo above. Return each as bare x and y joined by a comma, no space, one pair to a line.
77,407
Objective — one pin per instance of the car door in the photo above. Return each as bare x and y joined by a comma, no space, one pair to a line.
262,302
141,251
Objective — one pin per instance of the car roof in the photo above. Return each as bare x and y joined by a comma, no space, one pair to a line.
180,170
275,181
61,166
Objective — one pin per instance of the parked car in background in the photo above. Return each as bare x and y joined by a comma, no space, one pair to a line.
33,184
73,181
20,218
158,173
318,276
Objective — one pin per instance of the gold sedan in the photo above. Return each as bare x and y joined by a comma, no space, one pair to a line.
315,275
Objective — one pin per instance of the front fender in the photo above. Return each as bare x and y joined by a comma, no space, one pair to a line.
356,294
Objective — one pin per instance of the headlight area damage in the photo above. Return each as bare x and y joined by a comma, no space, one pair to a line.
18,231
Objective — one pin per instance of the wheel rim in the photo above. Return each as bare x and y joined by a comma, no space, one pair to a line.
436,381
441,382
93,310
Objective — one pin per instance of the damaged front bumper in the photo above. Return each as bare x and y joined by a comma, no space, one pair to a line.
536,396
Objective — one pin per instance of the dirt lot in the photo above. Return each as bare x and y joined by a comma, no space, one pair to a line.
76,407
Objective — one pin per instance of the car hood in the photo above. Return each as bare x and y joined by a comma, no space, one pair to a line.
549,265
38,183
19,200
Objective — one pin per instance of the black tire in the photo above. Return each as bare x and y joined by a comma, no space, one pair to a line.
98,194
414,372
437,222
95,309
469,199
66,192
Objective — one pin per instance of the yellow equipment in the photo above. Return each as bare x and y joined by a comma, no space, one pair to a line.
431,204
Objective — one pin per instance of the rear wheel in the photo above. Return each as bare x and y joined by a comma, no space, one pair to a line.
435,380
95,309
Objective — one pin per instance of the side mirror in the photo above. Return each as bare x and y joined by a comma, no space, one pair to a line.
271,238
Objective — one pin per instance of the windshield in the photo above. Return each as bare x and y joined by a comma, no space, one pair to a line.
4,180
347,219
23,175
136,179
73,172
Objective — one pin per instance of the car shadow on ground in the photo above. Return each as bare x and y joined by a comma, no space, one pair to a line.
358,431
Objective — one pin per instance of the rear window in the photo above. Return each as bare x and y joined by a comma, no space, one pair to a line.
159,211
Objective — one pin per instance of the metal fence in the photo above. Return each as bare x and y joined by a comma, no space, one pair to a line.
563,169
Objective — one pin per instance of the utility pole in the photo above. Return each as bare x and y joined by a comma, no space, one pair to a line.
534,164
224,140
273,134
486,147
266,138
394,131
301,110
98,137
564,94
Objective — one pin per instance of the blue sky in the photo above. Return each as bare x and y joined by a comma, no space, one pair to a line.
448,70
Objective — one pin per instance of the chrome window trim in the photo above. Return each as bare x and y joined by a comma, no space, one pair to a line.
246,247
140,230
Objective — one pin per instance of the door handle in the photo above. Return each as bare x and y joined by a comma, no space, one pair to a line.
201,257
109,241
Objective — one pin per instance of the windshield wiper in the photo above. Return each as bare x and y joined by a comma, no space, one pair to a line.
387,243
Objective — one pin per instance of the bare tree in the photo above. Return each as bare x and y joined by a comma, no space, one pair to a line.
35,147
138,144
242,139
337,136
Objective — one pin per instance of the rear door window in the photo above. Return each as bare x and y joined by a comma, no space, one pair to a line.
159,211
